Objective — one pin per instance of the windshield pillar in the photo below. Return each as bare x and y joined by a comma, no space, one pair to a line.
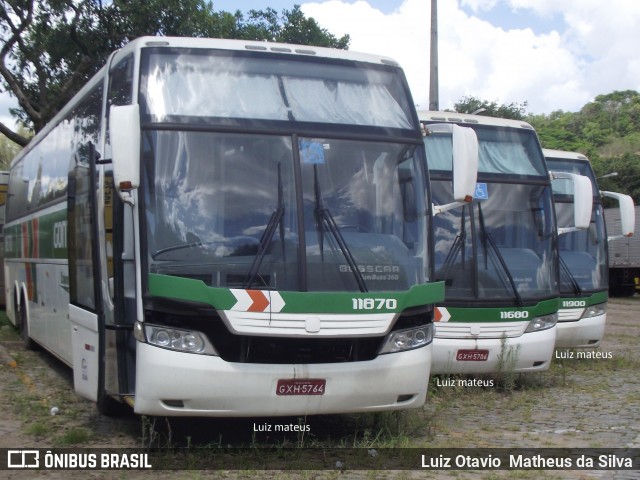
297,175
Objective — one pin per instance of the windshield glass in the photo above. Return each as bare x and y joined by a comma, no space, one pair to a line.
500,151
209,84
501,246
583,254
563,186
227,209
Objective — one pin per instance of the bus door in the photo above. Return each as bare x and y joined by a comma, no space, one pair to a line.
120,299
91,308
85,307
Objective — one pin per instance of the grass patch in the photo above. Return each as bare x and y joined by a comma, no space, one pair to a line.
570,361
624,339
7,331
73,436
39,429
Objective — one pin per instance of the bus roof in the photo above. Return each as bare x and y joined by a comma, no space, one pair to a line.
549,153
462,118
204,43
255,46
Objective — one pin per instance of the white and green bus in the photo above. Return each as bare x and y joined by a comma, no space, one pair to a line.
4,184
497,255
584,279
229,228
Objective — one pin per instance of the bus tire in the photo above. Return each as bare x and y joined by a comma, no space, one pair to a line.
23,323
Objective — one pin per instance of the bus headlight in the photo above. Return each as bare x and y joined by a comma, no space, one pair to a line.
189,341
408,339
595,310
543,322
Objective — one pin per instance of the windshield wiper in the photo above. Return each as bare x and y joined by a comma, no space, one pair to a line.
325,219
267,235
456,248
564,270
488,239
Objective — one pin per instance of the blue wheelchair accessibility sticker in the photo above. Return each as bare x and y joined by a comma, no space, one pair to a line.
481,193
311,152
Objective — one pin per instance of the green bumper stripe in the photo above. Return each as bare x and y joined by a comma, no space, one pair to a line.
474,314
594,299
300,302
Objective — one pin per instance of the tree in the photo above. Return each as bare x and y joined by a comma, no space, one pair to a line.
51,48
555,132
512,110
292,27
628,179
8,150
606,130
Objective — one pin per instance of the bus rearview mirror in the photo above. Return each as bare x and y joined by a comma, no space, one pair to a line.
124,131
627,213
582,200
465,163
464,167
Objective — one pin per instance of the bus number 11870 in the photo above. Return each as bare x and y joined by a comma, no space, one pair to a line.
374,303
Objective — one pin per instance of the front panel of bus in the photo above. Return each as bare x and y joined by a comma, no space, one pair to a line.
284,236
584,280
497,257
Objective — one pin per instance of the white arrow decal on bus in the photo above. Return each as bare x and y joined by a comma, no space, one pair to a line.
277,302
257,300
442,314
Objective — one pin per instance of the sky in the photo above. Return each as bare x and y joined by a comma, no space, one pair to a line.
551,54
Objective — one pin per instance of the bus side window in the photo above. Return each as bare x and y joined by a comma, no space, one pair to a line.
121,82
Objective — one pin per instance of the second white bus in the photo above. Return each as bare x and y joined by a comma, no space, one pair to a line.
498,255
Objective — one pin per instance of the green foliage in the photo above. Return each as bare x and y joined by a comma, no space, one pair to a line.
8,150
607,130
512,110
51,48
556,131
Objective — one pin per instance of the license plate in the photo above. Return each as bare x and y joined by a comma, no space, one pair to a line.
472,355
307,386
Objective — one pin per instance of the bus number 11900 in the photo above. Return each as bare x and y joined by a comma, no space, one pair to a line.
374,303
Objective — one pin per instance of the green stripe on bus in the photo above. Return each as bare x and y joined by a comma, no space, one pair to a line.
502,314
46,237
300,302
594,299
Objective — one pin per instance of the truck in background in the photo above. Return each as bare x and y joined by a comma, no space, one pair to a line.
624,256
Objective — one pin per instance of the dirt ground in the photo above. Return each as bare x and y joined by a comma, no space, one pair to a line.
578,403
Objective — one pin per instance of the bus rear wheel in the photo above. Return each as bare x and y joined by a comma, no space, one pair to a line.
23,325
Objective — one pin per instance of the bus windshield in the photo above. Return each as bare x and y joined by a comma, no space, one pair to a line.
501,151
280,210
500,247
583,254
286,206
260,211
205,85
